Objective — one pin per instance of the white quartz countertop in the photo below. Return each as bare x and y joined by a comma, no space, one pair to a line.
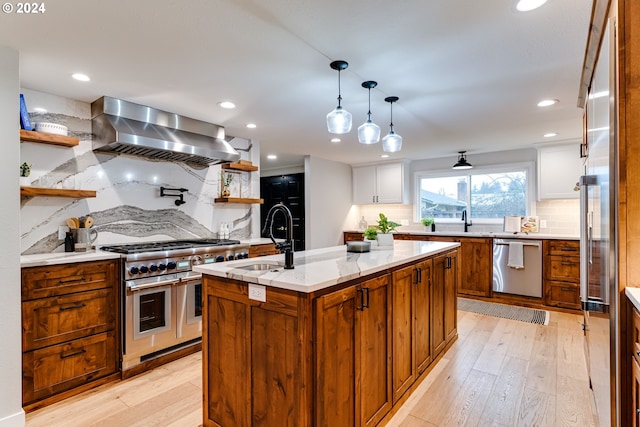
498,235
54,258
321,268
634,296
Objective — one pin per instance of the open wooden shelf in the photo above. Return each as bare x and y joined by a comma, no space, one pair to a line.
237,200
239,167
56,192
48,138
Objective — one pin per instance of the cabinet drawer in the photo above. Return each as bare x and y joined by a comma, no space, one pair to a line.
263,250
563,247
564,295
350,237
563,269
39,282
62,367
635,335
55,320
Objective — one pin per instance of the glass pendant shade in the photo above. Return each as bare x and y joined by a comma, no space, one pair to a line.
369,133
392,143
339,121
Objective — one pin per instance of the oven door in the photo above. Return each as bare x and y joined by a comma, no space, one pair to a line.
189,299
150,323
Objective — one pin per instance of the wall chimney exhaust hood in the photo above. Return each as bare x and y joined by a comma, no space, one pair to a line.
122,127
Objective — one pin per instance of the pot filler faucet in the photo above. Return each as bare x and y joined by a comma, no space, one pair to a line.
464,218
288,244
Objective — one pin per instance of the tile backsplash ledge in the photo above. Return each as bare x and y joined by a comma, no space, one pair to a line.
562,218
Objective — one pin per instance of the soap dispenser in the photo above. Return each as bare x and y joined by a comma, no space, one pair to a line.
69,244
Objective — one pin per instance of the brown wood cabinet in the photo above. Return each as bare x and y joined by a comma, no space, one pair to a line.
322,358
561,282
263,250
354,378
411,297
350,236
444,319
475,258
69,328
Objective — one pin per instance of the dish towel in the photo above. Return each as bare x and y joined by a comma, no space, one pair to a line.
516,255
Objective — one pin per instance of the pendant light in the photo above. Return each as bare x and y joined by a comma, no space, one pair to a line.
462,162
369,132
392,142
339,120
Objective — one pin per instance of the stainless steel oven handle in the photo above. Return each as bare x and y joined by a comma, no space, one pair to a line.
194,278
134,288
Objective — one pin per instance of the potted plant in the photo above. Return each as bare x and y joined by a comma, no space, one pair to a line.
384,229
429,223
25,171
371,235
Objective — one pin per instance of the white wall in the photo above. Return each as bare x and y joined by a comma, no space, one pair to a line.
327,202
11,413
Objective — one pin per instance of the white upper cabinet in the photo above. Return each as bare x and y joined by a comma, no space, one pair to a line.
384,183
559,168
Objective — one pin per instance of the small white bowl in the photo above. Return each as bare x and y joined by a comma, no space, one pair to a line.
51,128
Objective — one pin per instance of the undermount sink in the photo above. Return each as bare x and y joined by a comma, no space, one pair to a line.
261,266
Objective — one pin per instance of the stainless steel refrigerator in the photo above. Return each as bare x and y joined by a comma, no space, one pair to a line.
598,235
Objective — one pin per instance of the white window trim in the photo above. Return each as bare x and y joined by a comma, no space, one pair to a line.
528,167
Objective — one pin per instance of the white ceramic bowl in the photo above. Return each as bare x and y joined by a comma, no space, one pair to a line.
51,128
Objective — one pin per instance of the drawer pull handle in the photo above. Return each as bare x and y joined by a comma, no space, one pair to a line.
569,249
73,307
75,353
568,263
568,289
73,279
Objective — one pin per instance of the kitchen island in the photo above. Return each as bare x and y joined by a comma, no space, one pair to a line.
341,339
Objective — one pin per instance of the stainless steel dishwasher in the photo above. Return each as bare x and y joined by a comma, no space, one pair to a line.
518,281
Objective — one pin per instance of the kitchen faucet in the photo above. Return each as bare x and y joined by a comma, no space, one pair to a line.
287,245
464,218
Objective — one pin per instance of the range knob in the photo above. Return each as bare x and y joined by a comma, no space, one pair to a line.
134,270
196,260
153,267
244,255
219,258
171,265
162,267
144,269
230,257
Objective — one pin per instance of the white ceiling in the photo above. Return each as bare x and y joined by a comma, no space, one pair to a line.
468,73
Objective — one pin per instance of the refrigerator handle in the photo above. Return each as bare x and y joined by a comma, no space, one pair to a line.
585,236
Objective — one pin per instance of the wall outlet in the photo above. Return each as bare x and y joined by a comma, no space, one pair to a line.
62,231
543,223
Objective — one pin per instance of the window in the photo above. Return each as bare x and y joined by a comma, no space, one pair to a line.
486,194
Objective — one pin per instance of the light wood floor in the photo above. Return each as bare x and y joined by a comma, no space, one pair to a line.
499,373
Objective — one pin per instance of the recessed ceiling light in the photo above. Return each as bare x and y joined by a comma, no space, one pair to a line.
81,77
550,134
527,5
335,140
226,104
251,125
40,110
547,102
272,157
384,156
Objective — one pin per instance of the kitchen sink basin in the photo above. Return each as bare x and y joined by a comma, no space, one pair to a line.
261,266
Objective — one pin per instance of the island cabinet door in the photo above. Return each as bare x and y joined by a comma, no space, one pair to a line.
353,359
476,269
411,331
253,363
444,301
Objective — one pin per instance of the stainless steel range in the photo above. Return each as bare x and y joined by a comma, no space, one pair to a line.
162,308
